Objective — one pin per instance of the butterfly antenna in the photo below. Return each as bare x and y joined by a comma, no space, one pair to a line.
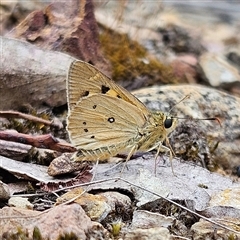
196,119
187,97
183,99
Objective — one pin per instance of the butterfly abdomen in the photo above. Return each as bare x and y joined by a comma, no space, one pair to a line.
102,153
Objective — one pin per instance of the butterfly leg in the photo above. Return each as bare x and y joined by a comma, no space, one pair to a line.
132,151
95,171
167,149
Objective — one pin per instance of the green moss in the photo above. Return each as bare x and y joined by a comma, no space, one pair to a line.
212,164
116,228
36,234
130,60
68,236
232,237
23,235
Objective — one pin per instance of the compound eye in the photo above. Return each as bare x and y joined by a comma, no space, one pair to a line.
168,122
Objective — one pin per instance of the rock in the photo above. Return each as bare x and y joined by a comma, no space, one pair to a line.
60,221
95,206
228,197
190,182
29,68
14,12
234,57
4,191
28,171
144,219
185,67
121,205
20,202
63,164
207,230
145,181
69,27
158,233
181,40
218,72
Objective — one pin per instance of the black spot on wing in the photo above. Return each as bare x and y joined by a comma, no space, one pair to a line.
111,119
86,93
105,89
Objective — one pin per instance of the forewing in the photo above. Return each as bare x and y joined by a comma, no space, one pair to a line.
85,80
102,120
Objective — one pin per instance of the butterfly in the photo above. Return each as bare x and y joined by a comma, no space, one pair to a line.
104,119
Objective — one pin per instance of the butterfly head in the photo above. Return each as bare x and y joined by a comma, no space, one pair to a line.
169,123
165,122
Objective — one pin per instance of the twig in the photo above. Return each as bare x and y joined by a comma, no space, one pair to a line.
42,141
15,114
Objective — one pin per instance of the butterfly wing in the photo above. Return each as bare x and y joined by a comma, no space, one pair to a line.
104,121
85,80
104,118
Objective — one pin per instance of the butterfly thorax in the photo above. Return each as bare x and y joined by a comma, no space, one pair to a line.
155,130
